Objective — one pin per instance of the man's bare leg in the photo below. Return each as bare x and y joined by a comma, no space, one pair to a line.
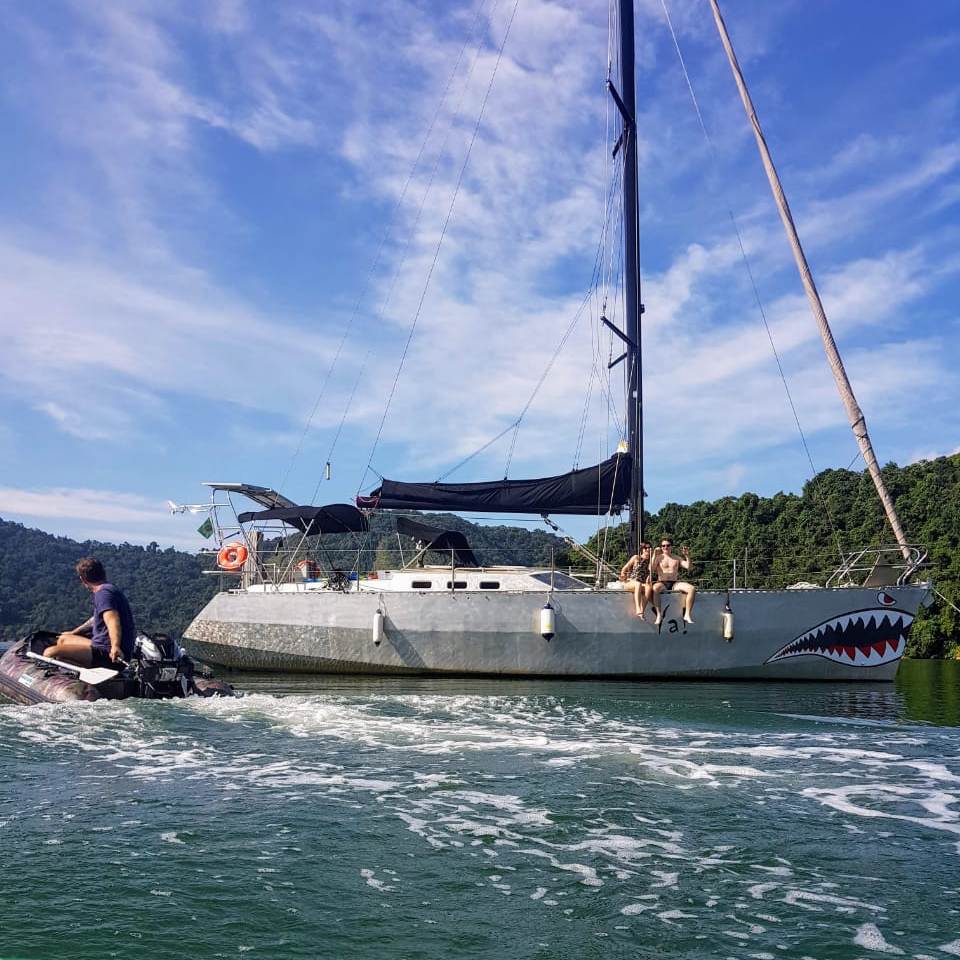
71,648
689,592
655,601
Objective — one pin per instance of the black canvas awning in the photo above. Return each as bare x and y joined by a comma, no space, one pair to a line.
333,518
592,491
432,538
263,495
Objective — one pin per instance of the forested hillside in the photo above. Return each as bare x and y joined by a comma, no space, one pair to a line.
776,540
39,588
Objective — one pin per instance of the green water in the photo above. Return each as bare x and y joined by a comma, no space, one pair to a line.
439,819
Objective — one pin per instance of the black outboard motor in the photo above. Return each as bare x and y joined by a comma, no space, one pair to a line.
161,667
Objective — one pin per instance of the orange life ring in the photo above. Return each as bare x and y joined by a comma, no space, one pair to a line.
232,556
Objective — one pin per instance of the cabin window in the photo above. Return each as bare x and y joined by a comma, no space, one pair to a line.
457,585
422,584
560,581
489,584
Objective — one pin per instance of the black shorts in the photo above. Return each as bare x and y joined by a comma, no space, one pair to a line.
667,585
101,658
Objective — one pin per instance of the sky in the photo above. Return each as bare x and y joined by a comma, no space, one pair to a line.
224,225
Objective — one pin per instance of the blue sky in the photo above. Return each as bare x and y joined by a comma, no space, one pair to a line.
199,202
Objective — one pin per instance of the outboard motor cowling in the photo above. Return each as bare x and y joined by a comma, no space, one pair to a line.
162,667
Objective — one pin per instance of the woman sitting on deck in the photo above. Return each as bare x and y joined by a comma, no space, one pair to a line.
636,577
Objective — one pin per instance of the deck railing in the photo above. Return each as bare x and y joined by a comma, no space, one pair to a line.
876,565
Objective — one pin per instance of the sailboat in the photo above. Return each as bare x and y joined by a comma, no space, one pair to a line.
461,618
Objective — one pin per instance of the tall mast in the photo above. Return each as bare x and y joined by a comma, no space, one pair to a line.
626,101
854,414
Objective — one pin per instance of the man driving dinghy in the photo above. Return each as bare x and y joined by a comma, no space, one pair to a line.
109,635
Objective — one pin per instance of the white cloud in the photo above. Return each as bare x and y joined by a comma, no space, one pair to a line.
855,209
96,505
919,456
68,323
106,515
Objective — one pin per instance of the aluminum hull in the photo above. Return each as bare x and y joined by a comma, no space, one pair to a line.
818,634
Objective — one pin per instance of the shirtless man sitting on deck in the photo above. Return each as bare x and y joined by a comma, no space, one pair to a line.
636,577
666,568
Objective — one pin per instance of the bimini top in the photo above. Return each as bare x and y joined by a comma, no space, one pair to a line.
262,495
433,538
604,488
333,518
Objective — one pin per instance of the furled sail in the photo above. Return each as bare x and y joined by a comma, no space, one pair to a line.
604,488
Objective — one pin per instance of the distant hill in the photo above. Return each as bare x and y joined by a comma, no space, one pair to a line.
39,588
778,540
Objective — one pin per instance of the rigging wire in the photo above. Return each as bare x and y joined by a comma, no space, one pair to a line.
411,233
479,450
596,283
611,280
368,281
343,420
443,233
604,267
543,376
753,284
584,304
600,291
584,415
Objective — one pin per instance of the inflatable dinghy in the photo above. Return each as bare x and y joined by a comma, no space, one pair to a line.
159,670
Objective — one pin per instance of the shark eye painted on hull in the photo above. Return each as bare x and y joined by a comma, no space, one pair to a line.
864,638
885,599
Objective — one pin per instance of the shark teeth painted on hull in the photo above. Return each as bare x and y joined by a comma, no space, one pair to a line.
864,638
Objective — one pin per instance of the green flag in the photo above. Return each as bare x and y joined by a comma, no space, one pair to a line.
206,528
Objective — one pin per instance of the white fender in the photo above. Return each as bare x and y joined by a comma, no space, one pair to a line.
377,628
727,624
548,622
